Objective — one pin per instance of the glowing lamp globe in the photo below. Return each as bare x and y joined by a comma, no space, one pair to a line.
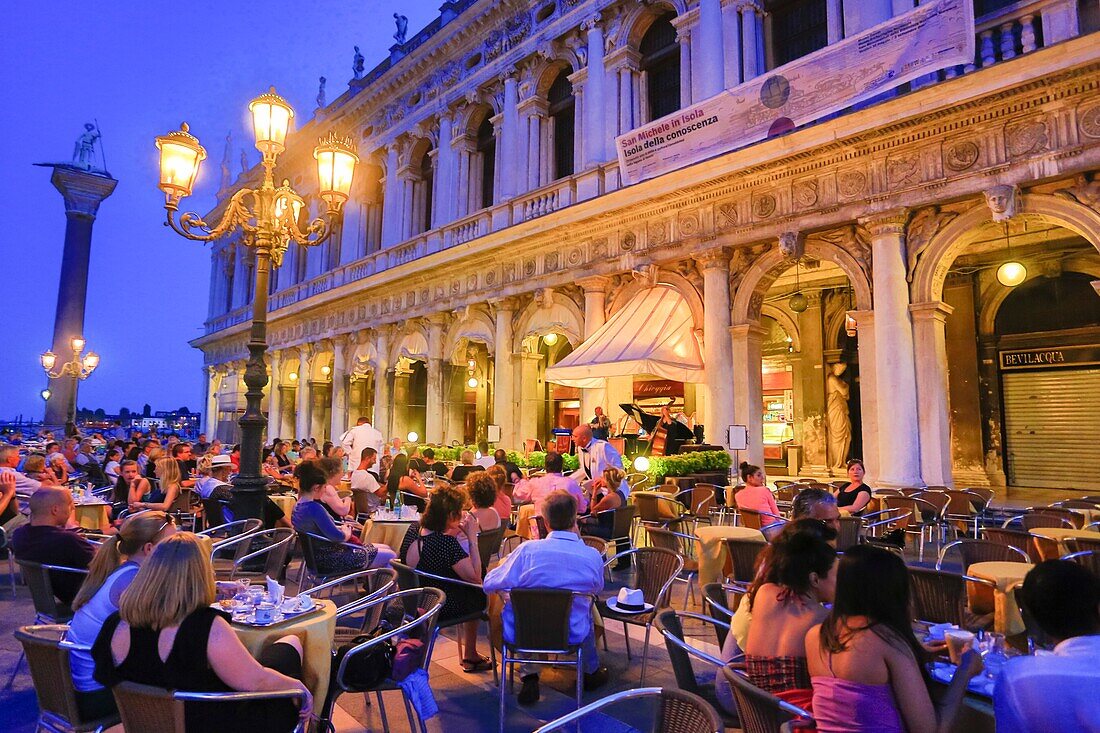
293,376
798,303
336,159
48,360
91,361
472,382
550,338
641,463
271,115
180,156
45,394
1011,274
77,343
412,437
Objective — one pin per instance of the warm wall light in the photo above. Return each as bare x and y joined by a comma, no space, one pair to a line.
45,394
326,370
91,361
48,360
1011,273
271,115
293,376
180,156
550,338
412,437
77,343
336,159
472,382
641,463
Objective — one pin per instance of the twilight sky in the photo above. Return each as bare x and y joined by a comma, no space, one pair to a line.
140,68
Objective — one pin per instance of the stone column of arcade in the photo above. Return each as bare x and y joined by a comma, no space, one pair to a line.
304,418
504,389
433,423
274,397
717,346
83,191
339,413
595,309
383,387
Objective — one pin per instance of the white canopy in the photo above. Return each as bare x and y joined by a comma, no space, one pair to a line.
653,335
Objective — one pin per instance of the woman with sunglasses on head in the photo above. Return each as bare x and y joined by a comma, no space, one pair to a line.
113,568
854,495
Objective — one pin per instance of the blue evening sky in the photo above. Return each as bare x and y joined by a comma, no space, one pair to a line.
140,68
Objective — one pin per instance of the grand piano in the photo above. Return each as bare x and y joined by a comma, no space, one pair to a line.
662,440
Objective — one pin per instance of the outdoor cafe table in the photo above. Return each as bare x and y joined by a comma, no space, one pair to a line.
316,631
386,532
92,514
285,502
1063,533
712,549
1007,575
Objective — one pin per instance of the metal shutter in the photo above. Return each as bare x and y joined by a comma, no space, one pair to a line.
1052,428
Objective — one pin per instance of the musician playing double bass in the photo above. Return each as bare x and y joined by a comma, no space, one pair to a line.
667,433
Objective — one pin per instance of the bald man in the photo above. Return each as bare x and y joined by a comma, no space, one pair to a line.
45,540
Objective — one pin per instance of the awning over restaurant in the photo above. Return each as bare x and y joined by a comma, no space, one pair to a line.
654,335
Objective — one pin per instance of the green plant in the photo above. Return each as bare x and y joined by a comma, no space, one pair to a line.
686,464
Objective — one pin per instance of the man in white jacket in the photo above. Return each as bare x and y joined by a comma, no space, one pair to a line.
594,456
363,435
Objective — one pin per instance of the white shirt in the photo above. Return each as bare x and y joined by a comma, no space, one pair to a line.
598,455
485,461
560,561
111,469
365,481
360,437
1051,691
25,485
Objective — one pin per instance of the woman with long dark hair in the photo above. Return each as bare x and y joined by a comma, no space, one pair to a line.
407,481
866,666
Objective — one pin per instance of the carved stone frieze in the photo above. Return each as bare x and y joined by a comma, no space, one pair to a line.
922,227
764,205
627,241
961,155
903,169
1088,120
656,233
1084,190
851,183
1027,137
726,216
804,193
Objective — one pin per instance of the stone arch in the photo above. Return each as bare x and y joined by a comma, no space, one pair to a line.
547,72
783,318
420,147
638,19
674,280
748,299
323,355
288,363
561,315
994,294
472,117
475,326
362,359
411,344
963,230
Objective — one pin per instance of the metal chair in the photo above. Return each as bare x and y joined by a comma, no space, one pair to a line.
1076,504
676,711
1080,544
47,608
228,530
1034,519
683,545
964,507
973,551
5,548
540,628
760,711
146,709
656,569
680,654
311,570
353,594
743,554
1086,558
1012,538
1047,548
261,554
758,520
1075,519
657,509
622,525
48,658
702,502
488,544
924,517
851,530
940,597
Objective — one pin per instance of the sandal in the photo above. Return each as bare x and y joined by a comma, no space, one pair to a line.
481,664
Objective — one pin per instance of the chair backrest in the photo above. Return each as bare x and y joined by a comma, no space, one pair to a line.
213,511
146,709
985,493
848,536
938,499
743,555
682,712
360,500
911,491
1076,504
1086,558
1080,544
488,544
309,552
751,518
226,530
1075,519
1012,538
937,596
715,604
38,577
48,660
541,618
669,623
704,497
1047,548
540,526
278,554
905,504
1045,518
759,711
961,502
972,551
597,543
655,507
788,491
669,540
656,569
622,521
182,502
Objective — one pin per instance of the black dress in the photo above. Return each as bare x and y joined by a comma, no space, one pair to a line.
845,498
188,669
438,554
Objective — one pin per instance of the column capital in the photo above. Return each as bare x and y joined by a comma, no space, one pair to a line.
508,304
748,331
864,319
932,310
623,57
596,283
714,259
534,106
751,6
886,222
83,191
592,23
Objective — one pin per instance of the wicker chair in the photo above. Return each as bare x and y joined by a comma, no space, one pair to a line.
1047,548
656,509
851,529
924,517
760,712
622,526
716,604
540,628
1076,504
680,654
261,554
964,507
1011,538
676,711
48,659
146,709
684,546
354,596
743,554
47,608
708,500
758,520
972,551
1080,544
228,530
421,612
1086,558
311,570
940,597
1035,519
598,544
656,569
488,544
1075,519
5,549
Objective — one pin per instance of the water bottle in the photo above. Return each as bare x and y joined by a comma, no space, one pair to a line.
995,657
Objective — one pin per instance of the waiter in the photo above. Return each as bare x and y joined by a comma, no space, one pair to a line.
363,435
594,456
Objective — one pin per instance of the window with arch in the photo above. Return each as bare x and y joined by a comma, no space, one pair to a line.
230,268
661,65
487,153
425,186
562,112
798,27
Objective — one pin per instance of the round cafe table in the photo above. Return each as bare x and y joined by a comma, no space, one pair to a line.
316,630
286,502
386,532
92,515
712,548
1063,533
1007,575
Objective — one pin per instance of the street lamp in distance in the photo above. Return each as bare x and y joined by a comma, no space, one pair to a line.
78,368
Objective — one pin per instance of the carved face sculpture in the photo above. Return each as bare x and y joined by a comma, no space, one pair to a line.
1002,202
791,245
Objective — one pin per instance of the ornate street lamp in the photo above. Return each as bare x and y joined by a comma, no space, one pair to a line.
78,368
268,219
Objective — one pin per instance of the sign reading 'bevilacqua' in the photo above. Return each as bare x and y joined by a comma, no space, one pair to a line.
1063,356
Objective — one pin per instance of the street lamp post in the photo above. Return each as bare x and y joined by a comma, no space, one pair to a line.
268,219
78,368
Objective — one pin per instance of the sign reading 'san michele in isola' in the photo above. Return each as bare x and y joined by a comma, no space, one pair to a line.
924,40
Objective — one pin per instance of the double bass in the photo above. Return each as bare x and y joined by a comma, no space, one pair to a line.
665,438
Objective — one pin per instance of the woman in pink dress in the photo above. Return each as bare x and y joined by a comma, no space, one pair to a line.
755,496
866,667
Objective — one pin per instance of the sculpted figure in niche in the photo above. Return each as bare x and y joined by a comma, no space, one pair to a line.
837,419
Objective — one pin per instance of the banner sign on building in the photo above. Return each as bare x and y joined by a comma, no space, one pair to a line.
1062,356
928,38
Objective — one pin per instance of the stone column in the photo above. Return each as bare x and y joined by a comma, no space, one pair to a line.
83,192
509,138
210,419
865,14
391,199
532,398
410,222
304,417
339,413
433,423
594,135
895,374
718,407
382,385
274,397
532,111
710,36
504,388
812,388
748,387
444,173
622,66
933,401
752,40
454,391
462,148
595,315
683,37
834,17
731,41
868,392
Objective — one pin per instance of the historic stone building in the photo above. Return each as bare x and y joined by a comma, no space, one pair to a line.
839,284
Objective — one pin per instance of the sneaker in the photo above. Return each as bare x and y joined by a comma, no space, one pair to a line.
596,680
529,693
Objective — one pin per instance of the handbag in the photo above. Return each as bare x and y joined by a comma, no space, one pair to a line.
367,669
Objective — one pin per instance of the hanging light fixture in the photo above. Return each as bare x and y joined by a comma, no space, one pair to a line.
850,325
472,382
1011,273
798,302
550,338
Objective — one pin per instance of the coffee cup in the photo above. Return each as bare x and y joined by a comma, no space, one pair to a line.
958,642
265,613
